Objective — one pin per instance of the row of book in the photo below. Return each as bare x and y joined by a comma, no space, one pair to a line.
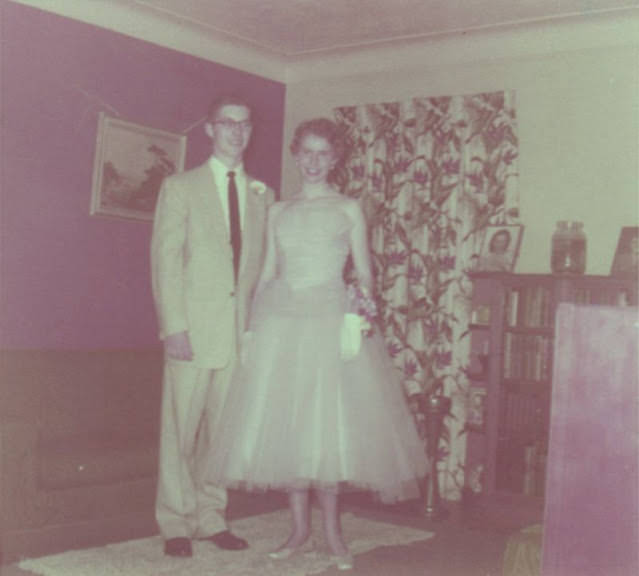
532,306
587,295
529,306
534,470
524,417
521,468
527,356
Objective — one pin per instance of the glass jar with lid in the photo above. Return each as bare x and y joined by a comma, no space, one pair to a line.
568,248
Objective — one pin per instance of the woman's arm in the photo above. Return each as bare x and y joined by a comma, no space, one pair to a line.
359,244
269,266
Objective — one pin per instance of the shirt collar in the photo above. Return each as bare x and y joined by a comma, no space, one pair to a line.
221,169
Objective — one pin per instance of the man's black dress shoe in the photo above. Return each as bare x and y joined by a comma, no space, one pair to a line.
226,540
180,547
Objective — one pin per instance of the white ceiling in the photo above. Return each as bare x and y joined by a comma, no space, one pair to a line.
299,27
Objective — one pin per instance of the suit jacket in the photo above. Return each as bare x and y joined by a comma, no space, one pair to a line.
192,263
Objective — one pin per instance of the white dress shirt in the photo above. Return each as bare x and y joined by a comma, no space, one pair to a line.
220,174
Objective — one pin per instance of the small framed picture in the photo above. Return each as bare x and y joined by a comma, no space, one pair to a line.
626,261
480,314
476,408
500,248
130,163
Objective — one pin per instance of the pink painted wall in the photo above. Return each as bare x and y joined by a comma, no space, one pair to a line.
67,279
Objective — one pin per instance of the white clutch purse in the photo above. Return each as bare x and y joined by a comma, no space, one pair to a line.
350,336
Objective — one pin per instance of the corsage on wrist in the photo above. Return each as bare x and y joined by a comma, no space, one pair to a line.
361,302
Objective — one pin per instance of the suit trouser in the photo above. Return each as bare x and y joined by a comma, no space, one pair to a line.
192,401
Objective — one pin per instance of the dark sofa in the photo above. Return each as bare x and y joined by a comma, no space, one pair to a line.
78,448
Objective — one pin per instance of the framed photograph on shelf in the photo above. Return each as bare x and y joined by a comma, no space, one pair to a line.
476,408
480,314
626,261
130,163
500,248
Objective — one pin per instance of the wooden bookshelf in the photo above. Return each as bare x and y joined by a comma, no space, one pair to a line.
510,370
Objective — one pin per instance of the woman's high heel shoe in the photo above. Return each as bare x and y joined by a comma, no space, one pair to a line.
286,551
343,562
283,553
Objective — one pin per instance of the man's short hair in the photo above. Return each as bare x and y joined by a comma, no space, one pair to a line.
227,100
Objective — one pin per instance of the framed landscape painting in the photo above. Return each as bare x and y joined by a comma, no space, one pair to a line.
130,163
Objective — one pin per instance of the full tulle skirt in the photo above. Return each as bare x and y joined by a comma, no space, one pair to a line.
299,416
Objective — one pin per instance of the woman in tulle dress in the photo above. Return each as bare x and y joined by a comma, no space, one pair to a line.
301,414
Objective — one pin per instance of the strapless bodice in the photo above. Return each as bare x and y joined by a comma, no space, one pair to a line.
312,240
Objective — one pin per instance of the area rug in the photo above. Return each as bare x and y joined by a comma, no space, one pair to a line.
264,533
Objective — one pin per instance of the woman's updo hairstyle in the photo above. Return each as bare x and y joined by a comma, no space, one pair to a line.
323,128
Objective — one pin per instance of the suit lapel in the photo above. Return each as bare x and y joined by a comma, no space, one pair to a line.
209,201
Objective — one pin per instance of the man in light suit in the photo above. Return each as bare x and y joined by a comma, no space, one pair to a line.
202,286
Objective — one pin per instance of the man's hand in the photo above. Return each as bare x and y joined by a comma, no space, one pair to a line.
178,346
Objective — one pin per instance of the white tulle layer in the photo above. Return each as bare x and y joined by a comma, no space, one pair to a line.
299,416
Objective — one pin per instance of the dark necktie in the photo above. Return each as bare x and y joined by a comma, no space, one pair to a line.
234,223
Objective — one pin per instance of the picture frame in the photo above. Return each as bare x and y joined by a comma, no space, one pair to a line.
131,160
500,248
480,314
625,263
476,408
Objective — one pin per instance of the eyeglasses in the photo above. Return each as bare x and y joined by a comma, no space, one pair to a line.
229,124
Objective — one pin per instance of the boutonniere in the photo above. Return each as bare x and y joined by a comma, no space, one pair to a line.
257,187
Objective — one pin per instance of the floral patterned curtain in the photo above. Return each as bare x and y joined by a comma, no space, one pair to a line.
431,174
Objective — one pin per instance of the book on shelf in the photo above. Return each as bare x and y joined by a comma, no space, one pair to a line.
512,306
527,356
508,341
529,307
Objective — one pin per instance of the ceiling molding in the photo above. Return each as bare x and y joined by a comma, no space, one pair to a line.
510,42
137,19
152,26
299,28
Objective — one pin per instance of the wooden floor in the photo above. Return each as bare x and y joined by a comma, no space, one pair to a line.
469,541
